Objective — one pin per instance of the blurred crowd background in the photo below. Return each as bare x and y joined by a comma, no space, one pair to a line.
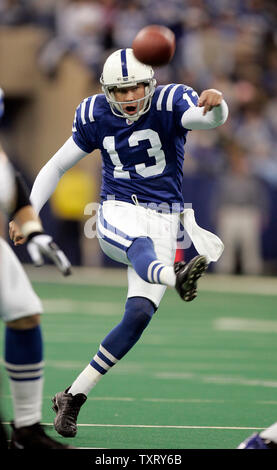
51,56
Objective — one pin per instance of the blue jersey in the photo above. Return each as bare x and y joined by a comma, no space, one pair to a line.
144,157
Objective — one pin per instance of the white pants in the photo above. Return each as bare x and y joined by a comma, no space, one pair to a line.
17,297
120,223
240,228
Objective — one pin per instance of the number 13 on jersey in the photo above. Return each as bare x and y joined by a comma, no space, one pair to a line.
135,138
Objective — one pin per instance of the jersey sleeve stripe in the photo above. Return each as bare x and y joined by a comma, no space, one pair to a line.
169,101
74,128
161,95
83,110
91,107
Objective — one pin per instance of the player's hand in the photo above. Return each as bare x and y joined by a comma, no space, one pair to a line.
40,244
15,234
209,99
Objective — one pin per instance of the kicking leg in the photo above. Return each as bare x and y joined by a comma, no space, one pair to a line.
153,263
182,276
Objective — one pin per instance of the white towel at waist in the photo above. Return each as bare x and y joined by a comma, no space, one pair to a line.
206,243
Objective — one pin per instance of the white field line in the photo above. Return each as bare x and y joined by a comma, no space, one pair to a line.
199,378
245,324
156,426
189,376
217,379
174,401
160,426
68,306
117,277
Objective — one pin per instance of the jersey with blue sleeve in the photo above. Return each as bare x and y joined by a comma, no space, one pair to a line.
144,157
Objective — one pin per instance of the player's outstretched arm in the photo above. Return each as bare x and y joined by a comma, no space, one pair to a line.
211,112
50,174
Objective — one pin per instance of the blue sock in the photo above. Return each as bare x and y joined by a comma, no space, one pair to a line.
24,363
23,347
121,339
144,260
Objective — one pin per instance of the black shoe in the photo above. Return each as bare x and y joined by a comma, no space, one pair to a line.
67,407
187,276
33,437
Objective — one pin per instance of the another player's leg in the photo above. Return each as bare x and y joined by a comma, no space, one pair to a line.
3,437
266,439
67,404
24,364
183,276
23,353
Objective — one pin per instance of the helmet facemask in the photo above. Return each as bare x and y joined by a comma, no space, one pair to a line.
142,104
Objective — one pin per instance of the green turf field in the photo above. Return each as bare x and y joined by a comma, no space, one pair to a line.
203,375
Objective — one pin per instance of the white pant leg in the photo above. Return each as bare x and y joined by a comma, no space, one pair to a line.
229,231
239,228
17,297
163,230
137,287
250,242
119,223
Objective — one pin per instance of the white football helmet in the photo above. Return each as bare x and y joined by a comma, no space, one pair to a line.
122,69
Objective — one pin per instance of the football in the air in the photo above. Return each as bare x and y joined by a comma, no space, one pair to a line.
154,45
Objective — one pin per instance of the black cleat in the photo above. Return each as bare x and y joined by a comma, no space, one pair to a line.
67,407
187,275
33,437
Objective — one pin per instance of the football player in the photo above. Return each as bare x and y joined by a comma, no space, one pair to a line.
266,439
141,131
20,309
